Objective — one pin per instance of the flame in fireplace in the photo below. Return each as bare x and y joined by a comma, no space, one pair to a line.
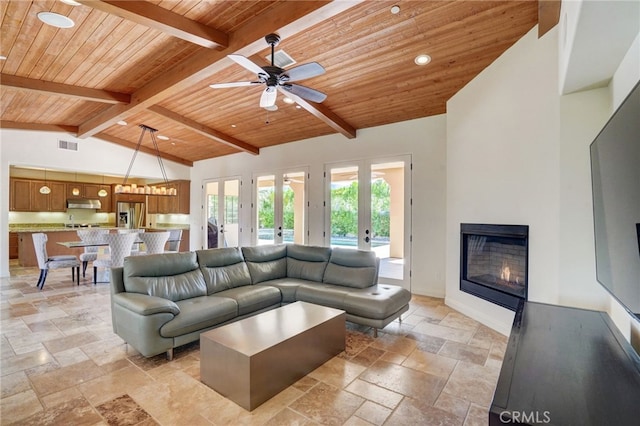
505,272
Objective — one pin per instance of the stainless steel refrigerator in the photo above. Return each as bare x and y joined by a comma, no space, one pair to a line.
130,215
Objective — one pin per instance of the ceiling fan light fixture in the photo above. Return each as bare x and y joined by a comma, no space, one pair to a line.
56,20
422,59
271,107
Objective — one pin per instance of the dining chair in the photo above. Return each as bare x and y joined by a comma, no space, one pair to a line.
46,262
135,248
90,254
154,242
119,247
174,244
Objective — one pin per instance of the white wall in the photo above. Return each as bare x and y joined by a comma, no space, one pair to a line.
535,170
424,139
40,149
503,166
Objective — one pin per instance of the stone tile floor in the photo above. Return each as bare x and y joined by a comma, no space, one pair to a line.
61,364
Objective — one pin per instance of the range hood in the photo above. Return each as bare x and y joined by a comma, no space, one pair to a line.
83,203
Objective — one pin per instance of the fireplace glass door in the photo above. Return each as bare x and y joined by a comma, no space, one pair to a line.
494,262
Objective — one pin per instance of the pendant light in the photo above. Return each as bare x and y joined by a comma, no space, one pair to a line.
44,189
126,188
103,192
75,191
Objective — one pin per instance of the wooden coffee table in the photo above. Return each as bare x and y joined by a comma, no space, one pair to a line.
251,360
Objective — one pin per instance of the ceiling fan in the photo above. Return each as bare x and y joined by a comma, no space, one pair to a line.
276,78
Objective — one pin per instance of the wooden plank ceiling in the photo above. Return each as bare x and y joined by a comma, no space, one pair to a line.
152,62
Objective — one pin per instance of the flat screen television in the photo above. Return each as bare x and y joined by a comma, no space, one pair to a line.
615,172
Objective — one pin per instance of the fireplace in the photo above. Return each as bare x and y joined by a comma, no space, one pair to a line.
493,262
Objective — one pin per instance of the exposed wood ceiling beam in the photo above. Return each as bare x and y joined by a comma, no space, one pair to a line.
66,90
286,18
548,15
205,131
38,126
161,19
143,148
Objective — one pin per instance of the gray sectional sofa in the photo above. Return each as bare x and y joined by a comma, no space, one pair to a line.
162,301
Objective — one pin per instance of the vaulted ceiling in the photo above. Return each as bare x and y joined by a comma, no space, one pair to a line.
151,62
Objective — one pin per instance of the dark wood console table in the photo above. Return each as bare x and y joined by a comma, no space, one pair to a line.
566,366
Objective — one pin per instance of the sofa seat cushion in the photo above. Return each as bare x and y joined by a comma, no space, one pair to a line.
252,298
328,295
288,287
376,302
199,313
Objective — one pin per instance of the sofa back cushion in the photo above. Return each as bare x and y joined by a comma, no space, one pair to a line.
266,262
223,268
307,262
351,268
173,276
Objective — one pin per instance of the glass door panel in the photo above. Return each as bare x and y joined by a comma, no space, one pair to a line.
222,213
230,232
294,207
266,209
388,217
343,202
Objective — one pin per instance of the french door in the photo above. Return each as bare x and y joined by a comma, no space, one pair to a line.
368,206
280,207
222,212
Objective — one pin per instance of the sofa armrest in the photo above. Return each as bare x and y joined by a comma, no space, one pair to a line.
144,304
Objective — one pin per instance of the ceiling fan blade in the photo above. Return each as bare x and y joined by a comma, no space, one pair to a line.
268,97
304,92
247,63
234,84
303,71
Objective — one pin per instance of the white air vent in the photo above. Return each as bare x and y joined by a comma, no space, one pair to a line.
71,146
282,59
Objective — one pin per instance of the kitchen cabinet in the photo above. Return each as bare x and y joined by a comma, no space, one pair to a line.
14,253
90,191
55,201
26,197
20,200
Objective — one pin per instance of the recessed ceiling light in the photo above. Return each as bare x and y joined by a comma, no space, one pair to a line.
163,137
122,123
234,126
55,20
70,2
3,58
395,9
287,100
298,106
422,59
